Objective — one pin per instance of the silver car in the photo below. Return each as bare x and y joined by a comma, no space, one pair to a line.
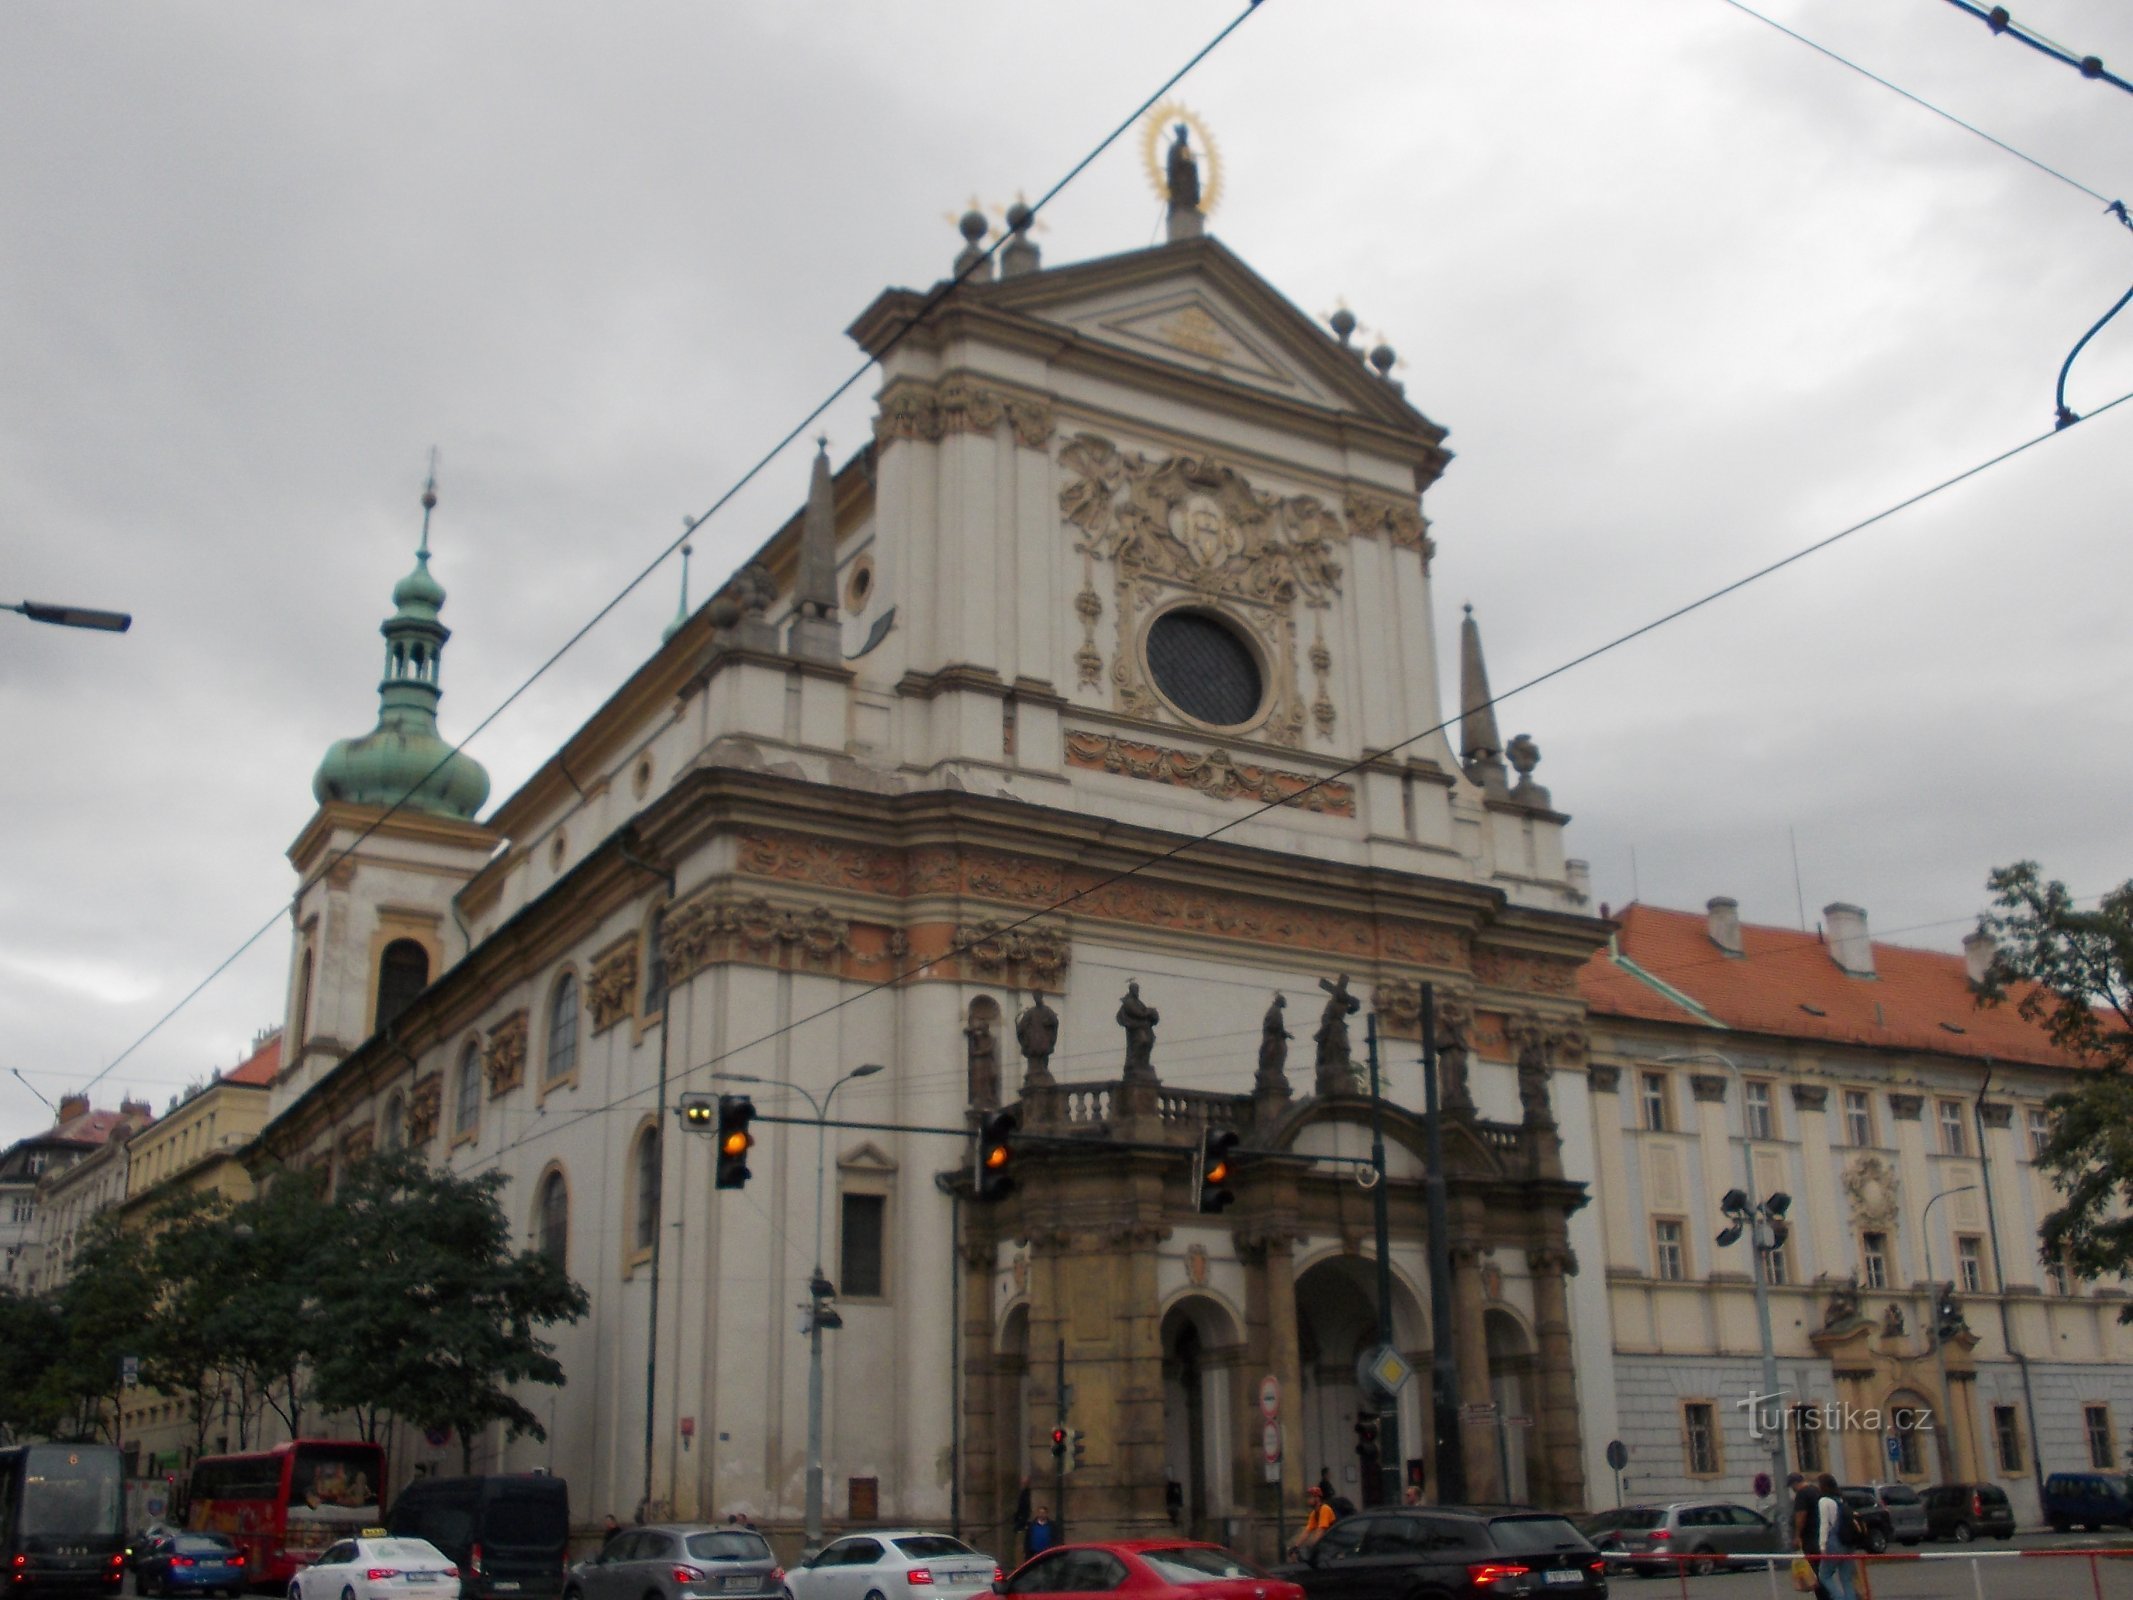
679,1561
899,1564
1906,1508
1701,1535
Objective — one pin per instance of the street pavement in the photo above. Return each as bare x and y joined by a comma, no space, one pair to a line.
1998,1576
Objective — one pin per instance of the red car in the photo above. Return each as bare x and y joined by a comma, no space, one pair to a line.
1146,1569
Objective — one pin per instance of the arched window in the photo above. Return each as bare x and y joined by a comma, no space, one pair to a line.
553,1226
403,973
562,1058
466,1106
302,1019
655,965
393,1136
645,1225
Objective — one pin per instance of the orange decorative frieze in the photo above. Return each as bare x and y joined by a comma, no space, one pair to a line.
1210,772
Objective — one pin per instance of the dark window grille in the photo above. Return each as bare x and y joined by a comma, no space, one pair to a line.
1204,668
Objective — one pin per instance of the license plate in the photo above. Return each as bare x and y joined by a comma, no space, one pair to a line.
503,1588
743,1584
1565,1577
422,1577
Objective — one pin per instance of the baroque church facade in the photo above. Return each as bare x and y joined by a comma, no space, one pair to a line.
1137,554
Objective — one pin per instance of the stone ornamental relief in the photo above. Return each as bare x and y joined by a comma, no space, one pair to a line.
504,1059
1188,527
611,993
1874,1190
932,411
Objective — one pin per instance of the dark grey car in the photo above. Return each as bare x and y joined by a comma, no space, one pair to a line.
683,1561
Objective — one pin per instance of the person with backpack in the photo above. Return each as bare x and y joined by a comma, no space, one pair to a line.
1838,1535
1318,1517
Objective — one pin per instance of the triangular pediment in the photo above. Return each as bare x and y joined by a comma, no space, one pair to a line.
1196,305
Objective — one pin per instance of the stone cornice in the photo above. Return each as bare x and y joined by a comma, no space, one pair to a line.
420,827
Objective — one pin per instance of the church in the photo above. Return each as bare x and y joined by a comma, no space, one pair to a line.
1074,750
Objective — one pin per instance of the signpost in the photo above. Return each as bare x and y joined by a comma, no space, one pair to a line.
1618,1458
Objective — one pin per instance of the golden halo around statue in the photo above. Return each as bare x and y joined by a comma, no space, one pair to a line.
1155,153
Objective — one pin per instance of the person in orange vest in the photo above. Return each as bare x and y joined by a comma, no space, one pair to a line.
1318,1517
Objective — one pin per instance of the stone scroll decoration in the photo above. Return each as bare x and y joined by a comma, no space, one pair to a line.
503,1060
713,927
1210,772
1396,521
1021,954
928,412
425,1106
1191,528
611,991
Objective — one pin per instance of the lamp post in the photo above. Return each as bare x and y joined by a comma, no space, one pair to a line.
819,1288
1759,1219
73,616
1946,1450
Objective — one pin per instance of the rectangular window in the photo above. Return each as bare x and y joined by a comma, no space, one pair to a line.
859,1272
1762,1116
1699,1428
1874,1260
2007,1435
2040,1132
1655,1109
1670,1260
1970,1262
1776,1270
2096,1422
1859,1117
1807,1438
2058,1276
863,1497
1954,1141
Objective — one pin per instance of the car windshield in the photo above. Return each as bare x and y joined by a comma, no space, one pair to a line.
1625,1517
1899,1494
403,1550
1532,1535
69,1492
725,1546
932,1546
201,1544
1197,1565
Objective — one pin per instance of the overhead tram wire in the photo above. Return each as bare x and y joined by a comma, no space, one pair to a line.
2000,22
2115,207
939,293
1711,597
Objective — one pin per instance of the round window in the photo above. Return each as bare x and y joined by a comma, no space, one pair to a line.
1204,668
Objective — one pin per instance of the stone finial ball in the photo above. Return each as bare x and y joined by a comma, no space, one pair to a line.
1343,322
1018,216
973,225
1382,358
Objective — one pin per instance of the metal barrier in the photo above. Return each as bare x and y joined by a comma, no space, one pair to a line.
1775,1562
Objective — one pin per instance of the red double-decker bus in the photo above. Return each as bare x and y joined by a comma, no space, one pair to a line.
284,1505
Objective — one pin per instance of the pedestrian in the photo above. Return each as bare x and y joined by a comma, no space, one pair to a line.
1318,1517
609,1531
1834,1574
1022,1510
1411,1496
1040,1535
1807,1524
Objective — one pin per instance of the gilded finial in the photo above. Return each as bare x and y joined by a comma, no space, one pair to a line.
429,504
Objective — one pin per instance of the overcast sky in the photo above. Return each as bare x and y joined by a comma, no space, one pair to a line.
1686,294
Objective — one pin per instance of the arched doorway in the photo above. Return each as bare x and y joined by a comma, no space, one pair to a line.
1011,1425
1908,1420
1511,1386
1201,1349
1337,1321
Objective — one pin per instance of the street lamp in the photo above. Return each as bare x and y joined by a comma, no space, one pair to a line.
1762,1222
1946,1448
73,616
819,1288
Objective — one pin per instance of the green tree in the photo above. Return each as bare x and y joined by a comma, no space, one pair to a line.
184,1351
434,1318
268,1320
31,1337
105,1306
2071,972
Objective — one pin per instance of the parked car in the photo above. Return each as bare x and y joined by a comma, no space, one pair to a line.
138,1545
378,1569
680,1561
1449,1551
895,1565
1872,1514
2087,1500
509,1535
189,1563
1702,1535
1906,1509
1966,1511
1145,1569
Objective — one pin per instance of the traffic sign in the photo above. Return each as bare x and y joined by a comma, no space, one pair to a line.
1382,1371
1269,1397
1479,1411
1895,1448
1617,1454
1270,1442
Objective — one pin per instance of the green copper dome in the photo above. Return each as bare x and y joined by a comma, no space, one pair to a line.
403,761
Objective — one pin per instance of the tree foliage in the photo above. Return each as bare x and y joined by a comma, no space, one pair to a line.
2071,972
31,1336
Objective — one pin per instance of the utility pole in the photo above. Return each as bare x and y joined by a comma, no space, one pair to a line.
1059,1460
1388,1405
1444,1358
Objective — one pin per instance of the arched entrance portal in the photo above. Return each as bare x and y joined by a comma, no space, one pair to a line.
1511,1386
1011,1439
1337,1321
1201,1352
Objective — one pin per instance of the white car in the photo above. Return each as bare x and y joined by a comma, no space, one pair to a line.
896,1565
378,1569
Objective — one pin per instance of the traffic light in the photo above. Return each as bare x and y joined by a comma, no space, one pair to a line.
1210,1185
698,1112
735,1112
1059,1446
1947,1314
994,1156
1077,1449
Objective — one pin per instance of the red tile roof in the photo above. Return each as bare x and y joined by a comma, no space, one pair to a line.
1916,999
91,1127
257,1070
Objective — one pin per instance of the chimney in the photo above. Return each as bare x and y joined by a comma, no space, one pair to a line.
137,1111
1849,945
1978,950
72,1106
1722,922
